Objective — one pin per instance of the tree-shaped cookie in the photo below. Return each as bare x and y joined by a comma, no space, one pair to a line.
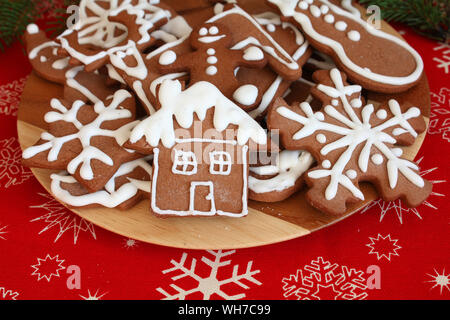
352,142
86,140
213,60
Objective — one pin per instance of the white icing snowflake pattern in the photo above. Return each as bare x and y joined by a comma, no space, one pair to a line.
323,280
440,114
12,172
440,280
7,294
383,247
95,296
356,131
10,96
62,219
210,285
85,133
398,207
48,267
443,61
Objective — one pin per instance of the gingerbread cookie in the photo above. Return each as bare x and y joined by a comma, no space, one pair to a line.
352,142
373,58
139,71
104,28
278,182
129,185
200,140
43,55
86,140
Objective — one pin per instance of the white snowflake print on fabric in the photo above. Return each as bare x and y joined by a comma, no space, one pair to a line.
7,294
3,232
323,280
95,296
440,114
441,280
398,207
383,247
443,61
10,96
12,173
130,243
58,216
48,267
212,284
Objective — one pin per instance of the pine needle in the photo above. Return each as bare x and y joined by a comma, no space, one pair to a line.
430,18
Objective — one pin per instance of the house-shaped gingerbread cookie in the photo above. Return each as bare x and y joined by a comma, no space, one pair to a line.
201,142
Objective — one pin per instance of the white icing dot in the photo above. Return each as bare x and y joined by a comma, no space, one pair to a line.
377,159
354,35
203,32
321,138
319,116
213,30
340,25
253,54
211,70
167,57
43,59
382,114
32,28
351,174
211,51
270,27
246,94
324,9
315,11
334,102
326,164
356,103
397,152
329,18
211,60
303,5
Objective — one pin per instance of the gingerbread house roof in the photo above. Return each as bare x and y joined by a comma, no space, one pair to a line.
181,106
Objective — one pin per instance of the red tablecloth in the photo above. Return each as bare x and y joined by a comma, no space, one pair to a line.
384,252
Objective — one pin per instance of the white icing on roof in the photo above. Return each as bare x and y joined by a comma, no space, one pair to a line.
197,99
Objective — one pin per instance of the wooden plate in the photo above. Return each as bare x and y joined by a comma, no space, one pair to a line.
265,224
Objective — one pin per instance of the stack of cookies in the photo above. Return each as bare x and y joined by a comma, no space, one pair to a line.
203,105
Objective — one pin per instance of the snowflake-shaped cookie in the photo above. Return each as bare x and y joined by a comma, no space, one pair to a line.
86,140
352,142
103,26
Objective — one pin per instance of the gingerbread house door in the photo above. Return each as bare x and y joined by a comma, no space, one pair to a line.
202,198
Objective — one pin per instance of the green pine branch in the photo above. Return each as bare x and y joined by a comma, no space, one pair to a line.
15,15
430,18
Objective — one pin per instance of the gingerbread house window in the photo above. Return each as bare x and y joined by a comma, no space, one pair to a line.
220,163
184,163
